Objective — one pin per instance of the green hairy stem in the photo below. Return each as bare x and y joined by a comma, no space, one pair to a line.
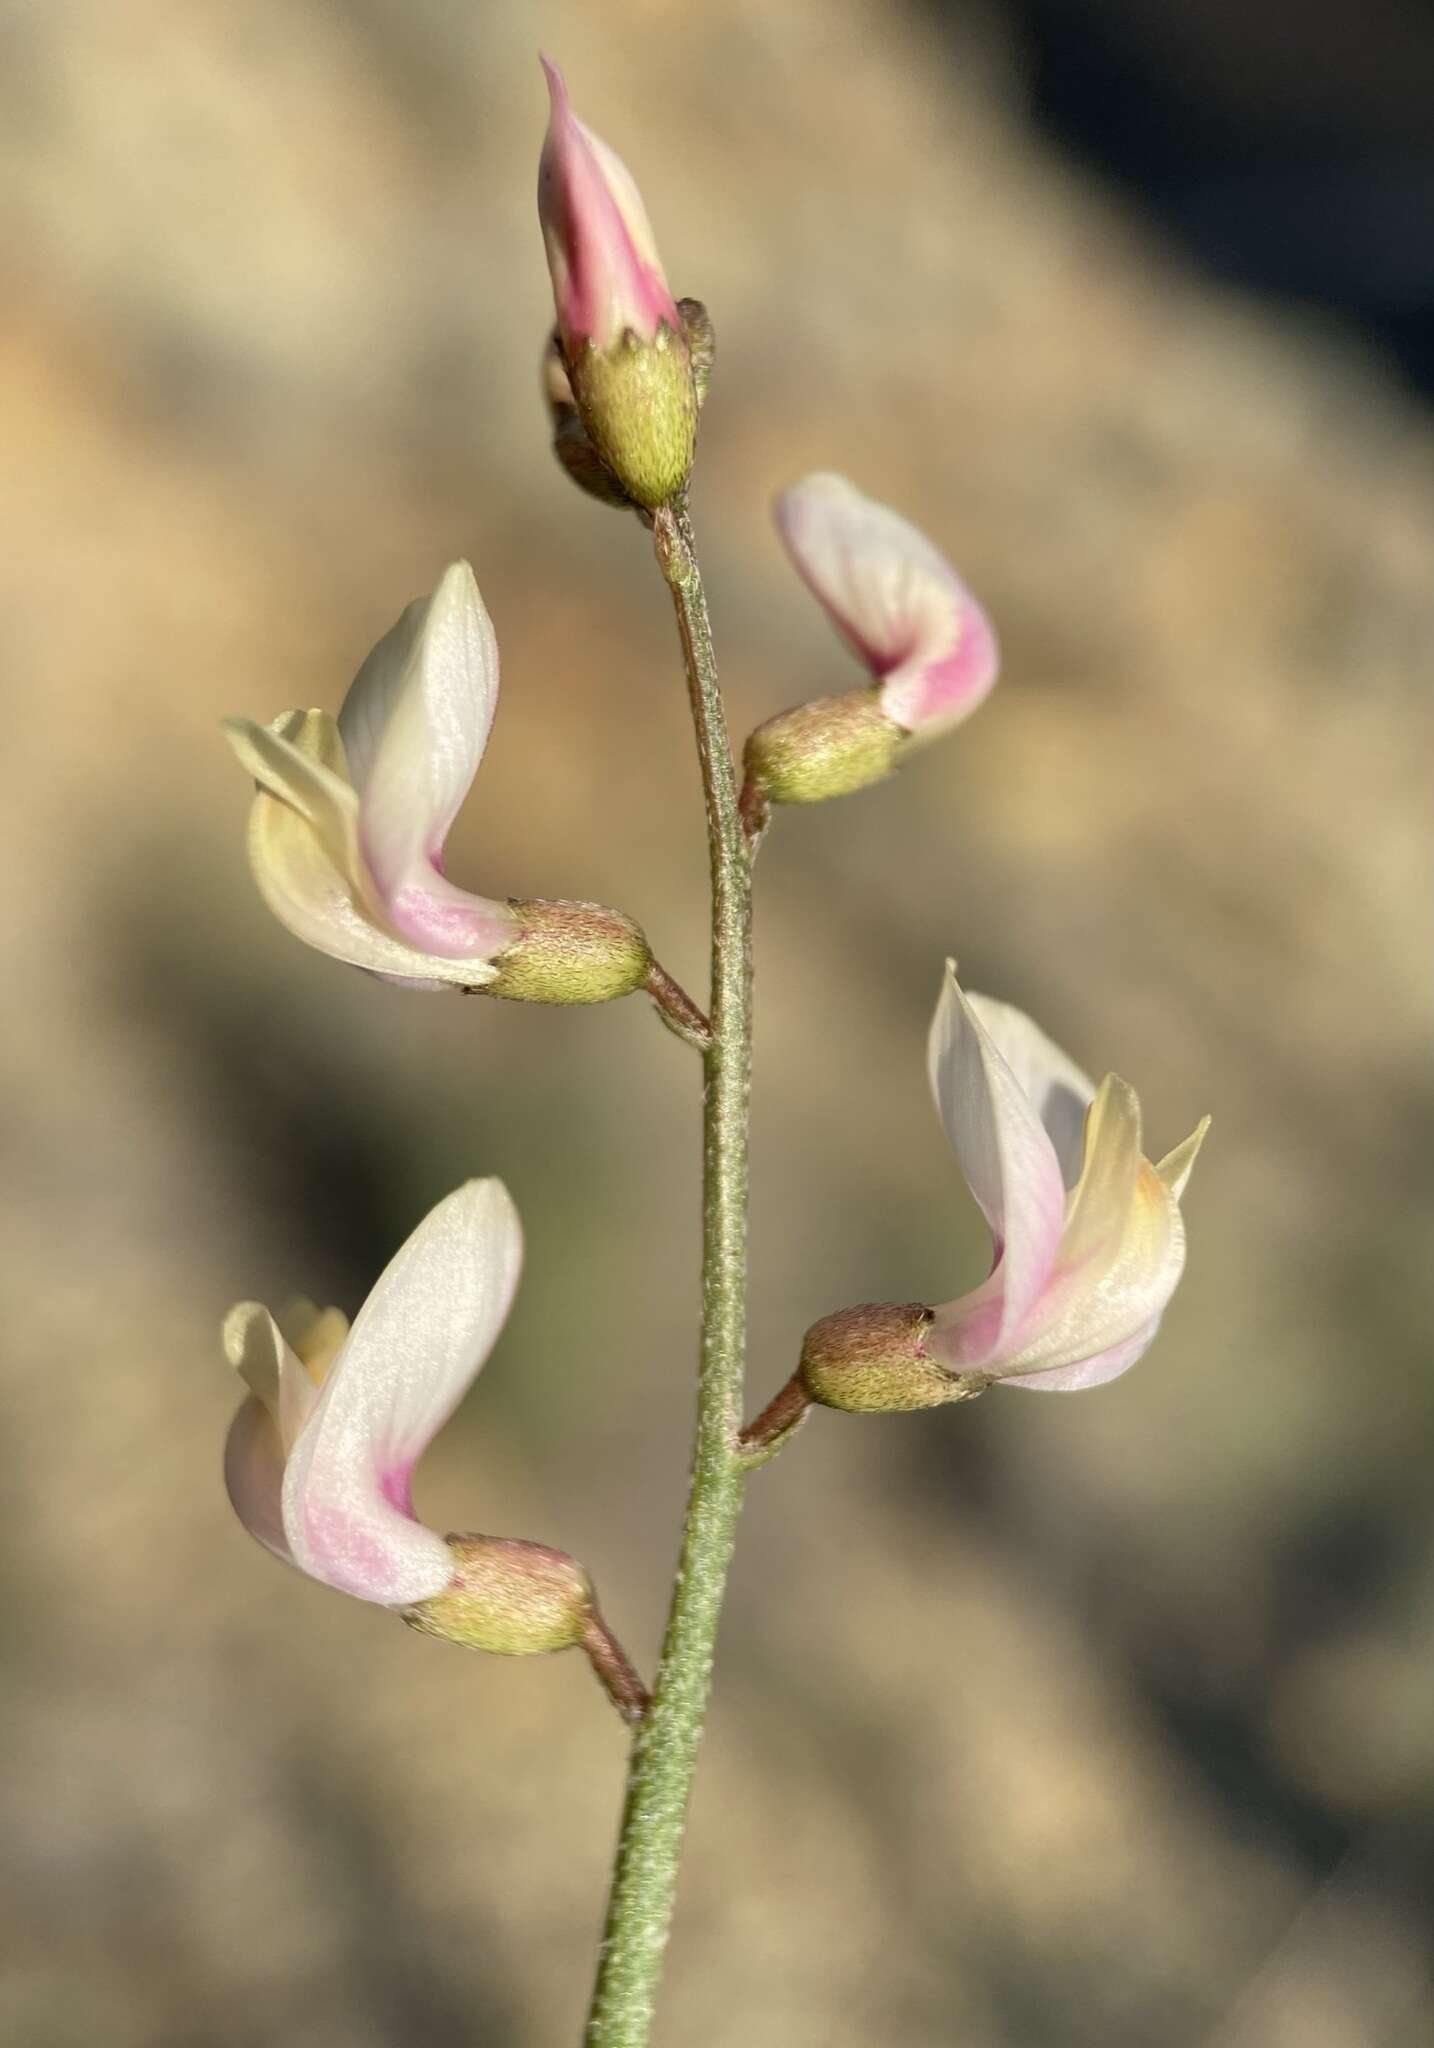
664,1751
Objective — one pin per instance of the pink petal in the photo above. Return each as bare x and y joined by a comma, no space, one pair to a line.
417,1344
607,277
1010,1166
897,601
448,922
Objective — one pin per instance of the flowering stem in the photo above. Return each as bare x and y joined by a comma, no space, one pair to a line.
664,1750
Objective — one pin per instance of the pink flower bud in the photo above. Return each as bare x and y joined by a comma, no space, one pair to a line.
624,342
607,275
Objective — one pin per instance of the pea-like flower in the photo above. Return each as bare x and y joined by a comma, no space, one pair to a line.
905,613
347,832
320,1457
1089,1239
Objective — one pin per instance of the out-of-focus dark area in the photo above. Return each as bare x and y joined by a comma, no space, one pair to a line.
1288,146
1039,1722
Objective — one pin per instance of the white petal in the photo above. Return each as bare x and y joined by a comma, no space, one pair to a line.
416,1346
415,723
896,600
254,1475
1009,1161
303,850
1056,1086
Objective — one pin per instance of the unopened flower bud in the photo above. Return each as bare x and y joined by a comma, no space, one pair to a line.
828,747
513,1598
571,953
624,342
869,1360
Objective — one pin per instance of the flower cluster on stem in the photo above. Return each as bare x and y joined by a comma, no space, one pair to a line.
348,832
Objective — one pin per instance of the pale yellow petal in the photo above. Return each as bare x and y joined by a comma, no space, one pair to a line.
1120,1256
316,900
313,1334
1174,1168
1110,1167
256,1347
253,1346
299,761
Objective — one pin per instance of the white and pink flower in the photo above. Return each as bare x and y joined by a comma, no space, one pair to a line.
896,601
347,832
320,1458
1089,1240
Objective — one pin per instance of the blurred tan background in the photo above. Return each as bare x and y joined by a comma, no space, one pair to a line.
1065,1722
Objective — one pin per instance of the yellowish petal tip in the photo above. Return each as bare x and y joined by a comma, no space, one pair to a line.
242,734
235,1333
1115,1098
314,1335
1174,1168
